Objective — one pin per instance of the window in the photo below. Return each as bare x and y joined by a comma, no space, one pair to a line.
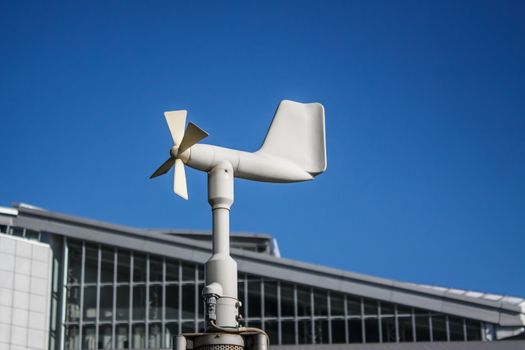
439,328
106,303
155,270
320,303
304,307
270,299
122,303
388,329
338,332
123,267
455,325
170,302
91,264
139,268
287,300
337,304
107,265
355,330
254,299
74,262
372,330
139,302
188,301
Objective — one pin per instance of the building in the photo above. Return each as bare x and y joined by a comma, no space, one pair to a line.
73,283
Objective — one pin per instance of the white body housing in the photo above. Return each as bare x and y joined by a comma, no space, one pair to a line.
293,150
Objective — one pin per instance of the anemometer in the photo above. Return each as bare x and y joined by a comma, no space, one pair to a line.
294,150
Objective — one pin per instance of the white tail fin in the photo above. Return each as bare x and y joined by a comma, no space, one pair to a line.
297,134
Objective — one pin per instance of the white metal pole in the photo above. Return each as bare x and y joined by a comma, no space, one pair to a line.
221,269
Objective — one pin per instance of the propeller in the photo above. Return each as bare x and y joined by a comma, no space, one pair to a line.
182,141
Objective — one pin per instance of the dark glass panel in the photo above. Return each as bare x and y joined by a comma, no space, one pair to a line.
106,303
370,307
74,262
188,301
254,299
320,303
287,332
304,331
32,235
72,340
155,336
172,270
139,336
121,336
91,264
371,330
321,332
255,323
188,327
200,303
337,304
73,304
304,307
172,330
271,328
353,305
287,300
355,330
17,231
89,338
122,312
200,272
241,298
188,272
139,303
270,299
422,328
155,269
405,329
172,302
439,328
420,312
388,329
155,302
107,265
403,310
338,332
90,303
455,326
473,330
3,228
123,261
387,309
139,268
104,337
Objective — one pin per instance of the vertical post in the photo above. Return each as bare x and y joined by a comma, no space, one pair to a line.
220,292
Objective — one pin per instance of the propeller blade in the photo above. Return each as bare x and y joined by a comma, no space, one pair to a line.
176,121
192,135
163,169
179,179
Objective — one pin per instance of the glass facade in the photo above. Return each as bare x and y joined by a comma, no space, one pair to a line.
121,299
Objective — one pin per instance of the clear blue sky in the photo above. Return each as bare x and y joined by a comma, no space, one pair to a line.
425,115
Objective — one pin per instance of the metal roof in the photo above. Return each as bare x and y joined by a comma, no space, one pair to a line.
504,311
471,345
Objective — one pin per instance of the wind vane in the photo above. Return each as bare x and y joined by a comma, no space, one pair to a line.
294,150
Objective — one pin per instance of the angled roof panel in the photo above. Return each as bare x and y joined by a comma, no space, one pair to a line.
504,311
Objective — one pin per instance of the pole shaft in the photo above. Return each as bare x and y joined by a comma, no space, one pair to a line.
221,231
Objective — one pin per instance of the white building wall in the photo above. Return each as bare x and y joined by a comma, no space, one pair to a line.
25,287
